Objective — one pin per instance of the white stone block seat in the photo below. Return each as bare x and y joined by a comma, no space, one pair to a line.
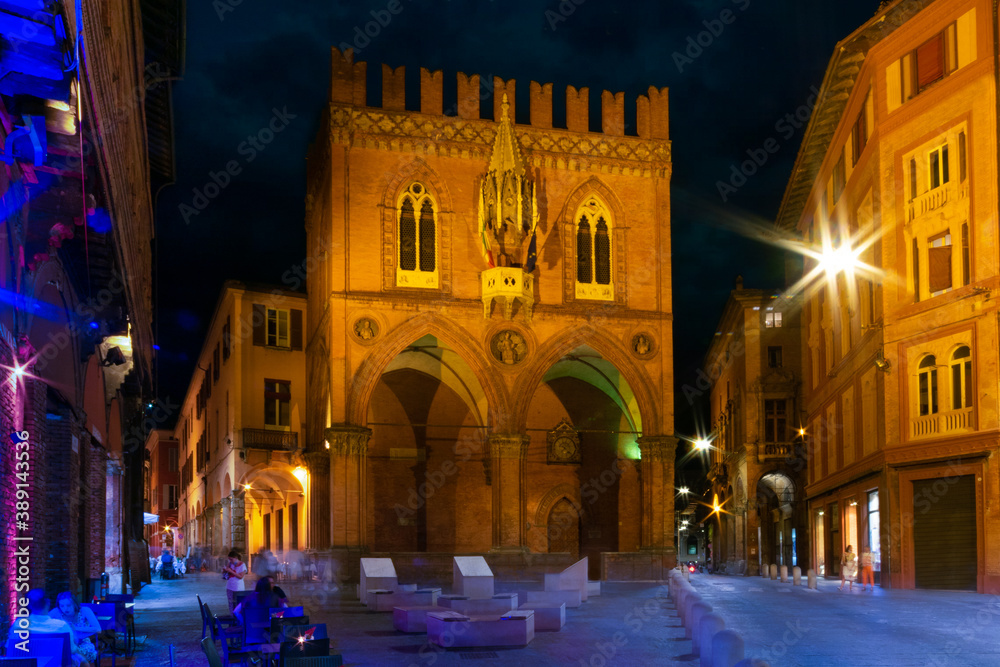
447,600
472,576
570,598
412,619
498,604
376,573
450,629
383,600
548,616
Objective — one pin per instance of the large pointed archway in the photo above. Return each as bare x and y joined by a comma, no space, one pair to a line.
584,421
427,489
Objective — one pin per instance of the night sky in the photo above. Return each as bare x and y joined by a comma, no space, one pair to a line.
735,68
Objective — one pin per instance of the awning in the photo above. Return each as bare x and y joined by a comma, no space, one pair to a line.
148,518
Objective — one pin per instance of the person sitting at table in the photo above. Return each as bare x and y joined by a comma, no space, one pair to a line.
39,621
81,619
263,598
282,597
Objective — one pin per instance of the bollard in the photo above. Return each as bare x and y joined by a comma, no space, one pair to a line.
763,571
687,575
711,625
698,611
796,576
690,600
727,648
784,574
812,579
682,594
774,571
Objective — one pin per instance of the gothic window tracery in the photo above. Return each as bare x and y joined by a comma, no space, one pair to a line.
595,271
416,238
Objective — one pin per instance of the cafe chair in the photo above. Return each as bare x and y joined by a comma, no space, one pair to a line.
246,659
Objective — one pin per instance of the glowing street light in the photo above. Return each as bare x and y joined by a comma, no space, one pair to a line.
701,444
684,490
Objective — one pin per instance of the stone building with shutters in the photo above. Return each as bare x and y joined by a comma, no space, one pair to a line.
895,189
490,327
756,460
242,478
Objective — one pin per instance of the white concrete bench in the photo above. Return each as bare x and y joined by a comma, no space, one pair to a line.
593,588
382,600
472,576
450,629
498,604
573,578
447,600
569,598
547,616
412,619
376,573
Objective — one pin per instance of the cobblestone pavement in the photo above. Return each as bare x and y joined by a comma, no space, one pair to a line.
631,624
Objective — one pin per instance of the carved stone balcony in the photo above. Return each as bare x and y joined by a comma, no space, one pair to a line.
936,199
774,451
508,284
275,441
942,423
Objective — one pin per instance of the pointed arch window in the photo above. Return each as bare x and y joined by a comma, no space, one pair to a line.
961,378
927,386
594,259
416,238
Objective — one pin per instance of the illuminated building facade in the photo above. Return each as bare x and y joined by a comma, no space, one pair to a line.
895,187
489,333
85,132
240,428
757,467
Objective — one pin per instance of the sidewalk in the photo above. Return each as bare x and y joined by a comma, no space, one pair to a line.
632,624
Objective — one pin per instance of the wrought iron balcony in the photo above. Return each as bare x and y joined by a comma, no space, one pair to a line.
262,438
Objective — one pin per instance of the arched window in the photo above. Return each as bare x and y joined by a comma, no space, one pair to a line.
927,385
961,378
594,259
416,238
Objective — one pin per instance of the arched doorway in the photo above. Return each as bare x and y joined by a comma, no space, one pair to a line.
563,529
775,507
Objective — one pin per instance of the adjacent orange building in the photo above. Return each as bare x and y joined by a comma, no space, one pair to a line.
898,172
489,332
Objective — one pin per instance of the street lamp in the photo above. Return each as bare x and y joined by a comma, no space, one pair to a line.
701,444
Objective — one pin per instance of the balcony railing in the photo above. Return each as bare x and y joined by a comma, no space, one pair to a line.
775,450
936,198
260,438
942,423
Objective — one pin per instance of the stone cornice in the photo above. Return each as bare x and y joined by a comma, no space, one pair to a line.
586,310
456,137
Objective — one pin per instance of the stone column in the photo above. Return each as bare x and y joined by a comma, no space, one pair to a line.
348,486
318,462
657,469
238,526
507,456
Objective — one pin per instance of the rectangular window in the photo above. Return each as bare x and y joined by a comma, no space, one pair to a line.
874,538
172,459
293,526
226,339
277,328
774,356
939,264
916,271
839,178
279,529
859,135
937,167
929,63
772,320
966,269
961,157
774,420
215,364
277,401
171,496
913,179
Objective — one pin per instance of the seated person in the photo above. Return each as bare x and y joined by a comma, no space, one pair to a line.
39,621
282,597
264,598
81,619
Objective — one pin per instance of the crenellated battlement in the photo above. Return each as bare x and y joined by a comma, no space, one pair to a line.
348,85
